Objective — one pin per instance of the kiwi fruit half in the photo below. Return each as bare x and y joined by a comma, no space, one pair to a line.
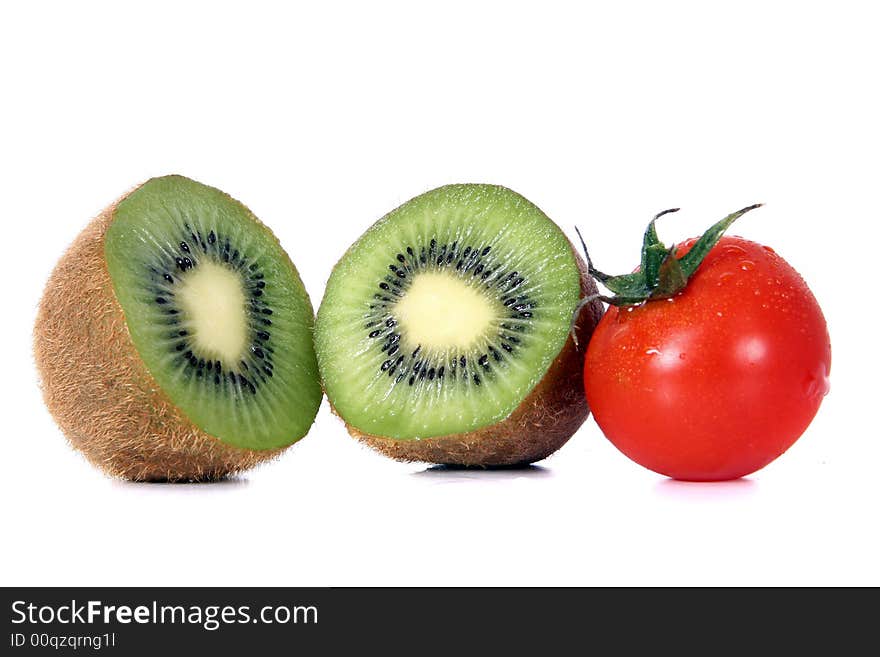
174,338
444,332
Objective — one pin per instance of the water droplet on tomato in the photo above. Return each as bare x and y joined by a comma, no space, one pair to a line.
817,384
734,250
653,351
747,265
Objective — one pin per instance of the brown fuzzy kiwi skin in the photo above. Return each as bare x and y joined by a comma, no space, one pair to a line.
552,412
99,391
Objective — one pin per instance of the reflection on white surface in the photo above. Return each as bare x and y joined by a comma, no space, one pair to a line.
228,484
702,490
450,473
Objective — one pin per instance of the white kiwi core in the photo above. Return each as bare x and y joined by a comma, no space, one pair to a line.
213,302
440,311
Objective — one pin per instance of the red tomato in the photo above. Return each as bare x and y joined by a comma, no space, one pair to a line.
719,380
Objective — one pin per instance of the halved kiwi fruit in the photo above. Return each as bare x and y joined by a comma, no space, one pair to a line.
444,332
174,338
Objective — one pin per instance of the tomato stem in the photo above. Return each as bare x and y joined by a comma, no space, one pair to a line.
661,274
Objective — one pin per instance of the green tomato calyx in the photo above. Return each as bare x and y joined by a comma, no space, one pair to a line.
661,274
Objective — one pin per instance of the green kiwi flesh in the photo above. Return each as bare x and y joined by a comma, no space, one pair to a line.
443,318
178,249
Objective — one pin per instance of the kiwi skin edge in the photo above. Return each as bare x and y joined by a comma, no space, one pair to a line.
99,391
543,422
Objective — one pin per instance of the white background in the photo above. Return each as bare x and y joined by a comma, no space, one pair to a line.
323,117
